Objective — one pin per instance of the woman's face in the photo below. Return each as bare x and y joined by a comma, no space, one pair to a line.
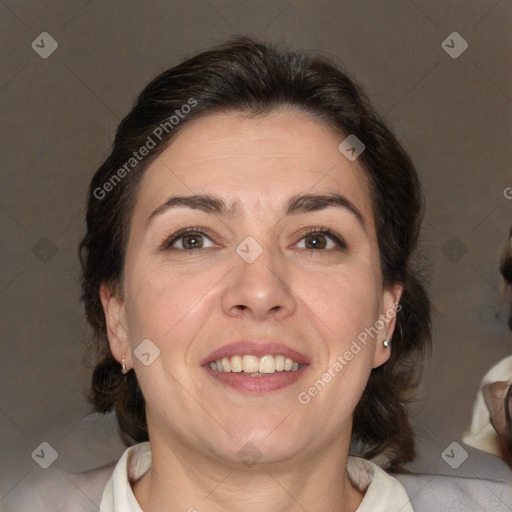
258,274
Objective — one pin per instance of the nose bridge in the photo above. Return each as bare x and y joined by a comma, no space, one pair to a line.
259,281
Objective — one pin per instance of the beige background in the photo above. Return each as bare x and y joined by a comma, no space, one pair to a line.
59,115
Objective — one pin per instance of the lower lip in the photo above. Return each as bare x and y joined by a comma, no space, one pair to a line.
266,384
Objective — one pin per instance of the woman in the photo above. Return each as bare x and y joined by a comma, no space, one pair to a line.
491,423
247,272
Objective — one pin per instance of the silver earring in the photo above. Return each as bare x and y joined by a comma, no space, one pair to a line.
386,343
123,370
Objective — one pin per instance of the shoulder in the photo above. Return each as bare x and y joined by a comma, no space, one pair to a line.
58,491
438,492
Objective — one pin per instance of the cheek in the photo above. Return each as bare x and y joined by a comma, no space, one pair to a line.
346,305
346,301
162,304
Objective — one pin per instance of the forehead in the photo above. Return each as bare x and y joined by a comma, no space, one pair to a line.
254,161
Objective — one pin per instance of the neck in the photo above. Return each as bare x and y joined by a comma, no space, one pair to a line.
191,482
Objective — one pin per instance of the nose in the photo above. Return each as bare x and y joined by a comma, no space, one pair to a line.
260,289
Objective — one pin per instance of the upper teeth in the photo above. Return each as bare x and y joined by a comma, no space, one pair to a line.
254,364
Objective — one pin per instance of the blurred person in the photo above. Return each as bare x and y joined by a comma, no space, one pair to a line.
491,425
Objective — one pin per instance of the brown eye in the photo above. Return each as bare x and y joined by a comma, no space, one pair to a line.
192,241
186,240
316,241
320,239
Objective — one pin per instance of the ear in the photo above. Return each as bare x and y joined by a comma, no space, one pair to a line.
115,319
390,305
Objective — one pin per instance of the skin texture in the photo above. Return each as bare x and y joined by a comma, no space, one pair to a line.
314,300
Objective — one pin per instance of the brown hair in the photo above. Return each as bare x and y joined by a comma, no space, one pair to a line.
245,75
506,259
506,268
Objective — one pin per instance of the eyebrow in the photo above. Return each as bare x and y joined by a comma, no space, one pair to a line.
301,203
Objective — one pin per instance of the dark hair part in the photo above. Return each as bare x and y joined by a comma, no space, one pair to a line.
506,268
247,76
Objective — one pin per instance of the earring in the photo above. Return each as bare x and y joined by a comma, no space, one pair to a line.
123,369
386,343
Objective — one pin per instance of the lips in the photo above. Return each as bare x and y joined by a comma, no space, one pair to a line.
256,383
249,347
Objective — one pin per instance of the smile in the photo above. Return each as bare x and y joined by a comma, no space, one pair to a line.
256,375
255,366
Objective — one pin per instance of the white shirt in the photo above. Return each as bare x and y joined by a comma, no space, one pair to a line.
481,433
383,492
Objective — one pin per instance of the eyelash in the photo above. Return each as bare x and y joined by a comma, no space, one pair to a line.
168,242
